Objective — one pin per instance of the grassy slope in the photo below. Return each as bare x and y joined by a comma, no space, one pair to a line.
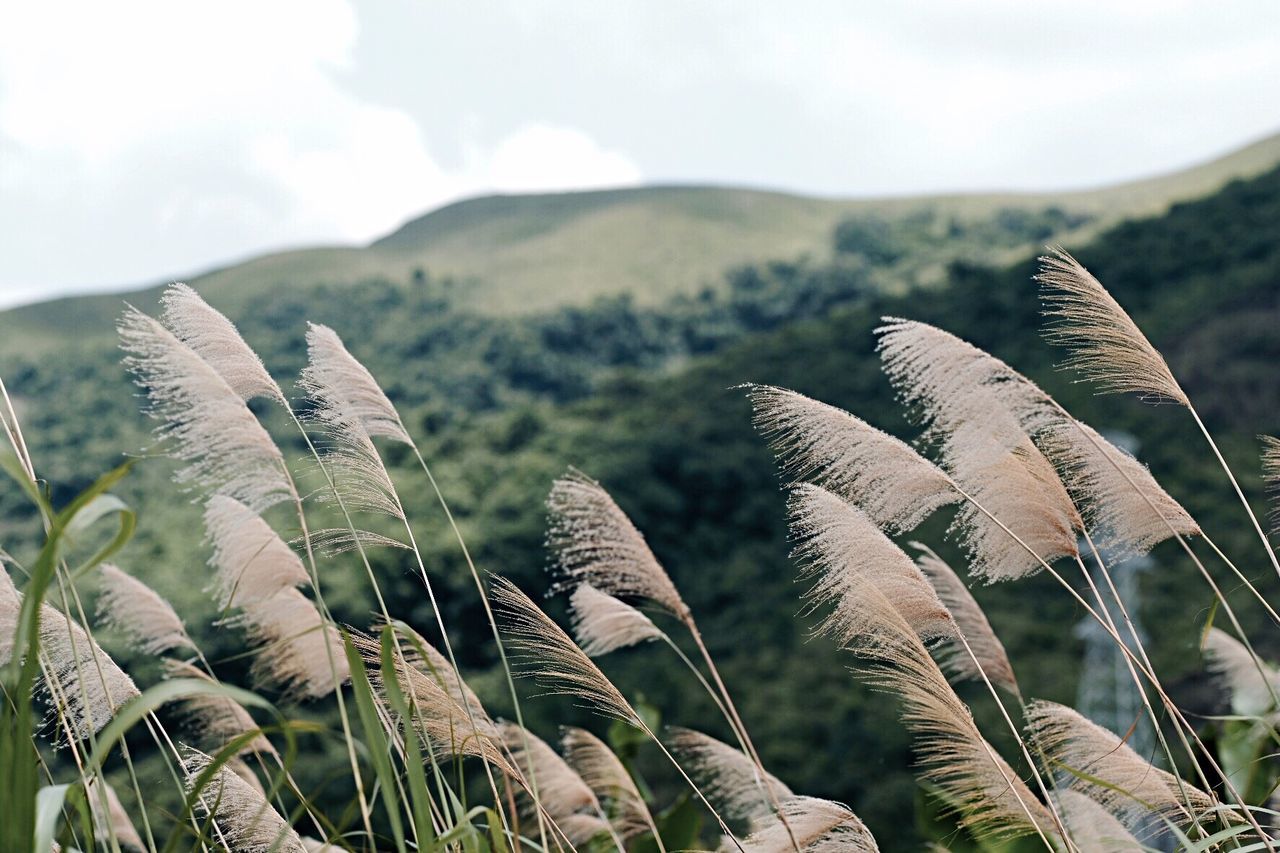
534,252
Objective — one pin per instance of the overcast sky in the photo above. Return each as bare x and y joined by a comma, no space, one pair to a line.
143,140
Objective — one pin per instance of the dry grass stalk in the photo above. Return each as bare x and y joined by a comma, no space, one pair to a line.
1092,827
553,658
729,778
343,388
971,622
608,778
818,826
251,562
134,609
113,820
815,442
602,624
216,720
848,554
561,792
204,422
245,819
1253,690
1133,787
594,542
1015,488
87,687
1106,345
1125,509
294,635
216,340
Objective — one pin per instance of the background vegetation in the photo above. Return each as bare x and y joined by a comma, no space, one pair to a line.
638,393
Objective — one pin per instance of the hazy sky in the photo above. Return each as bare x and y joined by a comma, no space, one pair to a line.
143,140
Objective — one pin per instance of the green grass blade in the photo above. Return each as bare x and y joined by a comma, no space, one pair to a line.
379,751
49,801
419,794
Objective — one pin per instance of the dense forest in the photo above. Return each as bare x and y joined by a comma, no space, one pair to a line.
643,398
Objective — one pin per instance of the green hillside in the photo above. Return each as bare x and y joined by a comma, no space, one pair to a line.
637,393
528,253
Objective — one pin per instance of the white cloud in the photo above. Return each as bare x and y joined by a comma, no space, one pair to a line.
156,138
540,158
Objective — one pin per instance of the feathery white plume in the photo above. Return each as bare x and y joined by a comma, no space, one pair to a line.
581,827
1271,475
204,422
216,340
1092,828
238,766
10,607
847,553
1128,786
890,482
427,659
1126,510
948,382
885,611
449,717
987,794
817,826
332,541
560,790
971,623
602,623
728,777
344,388
111,820
594,542
1018,489
301,653
251,561
1253,690
131,607
606,775
217,720
978,406
84,685
553,658
882,622
350,459
245,819
351,408
1106,345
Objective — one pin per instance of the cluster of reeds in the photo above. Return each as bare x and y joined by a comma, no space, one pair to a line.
1031,489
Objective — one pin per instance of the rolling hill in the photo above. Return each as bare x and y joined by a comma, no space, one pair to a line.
527,253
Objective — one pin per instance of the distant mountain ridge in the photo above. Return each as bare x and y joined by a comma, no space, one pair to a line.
520,253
